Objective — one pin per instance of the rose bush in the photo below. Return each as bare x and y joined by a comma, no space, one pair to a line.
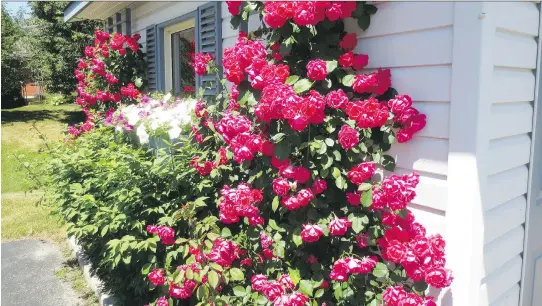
298,210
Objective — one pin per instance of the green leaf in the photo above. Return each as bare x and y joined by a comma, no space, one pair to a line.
366,198
283,150
297,239
319,293
239,291
365,187
380,270
388,162
305,286
275,204
146,269
292,79
348,80
295,275
212,276
278,137
331,65
302,85
364,21
336,172
226,232
341,182
274,226
370,9
357,224
202,293
338,293
236,274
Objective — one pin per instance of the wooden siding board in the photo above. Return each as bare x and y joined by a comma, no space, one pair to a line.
519,17
509,298
512,50
438,119
422,48
423,154
501,250
431,83
501,281
512,85
502,219
405,17
511,119
505,186
508,153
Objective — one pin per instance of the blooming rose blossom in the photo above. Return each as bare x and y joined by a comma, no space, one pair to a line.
349,42
362,240
162,301
234,7
343,267
240,202
361,173
201,60
156,277
368,113
337,99
319,186
316,70
272,290
375,83
360,61
258,282
281,186
346,59
339,226
353,198
438,277
224,252
348,137
311,233
182,292
286,281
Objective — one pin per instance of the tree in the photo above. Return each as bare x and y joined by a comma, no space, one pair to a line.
12,61
56,45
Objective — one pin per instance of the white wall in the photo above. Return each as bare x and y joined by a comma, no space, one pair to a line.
470,67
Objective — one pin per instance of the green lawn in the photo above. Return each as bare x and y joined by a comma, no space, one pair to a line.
22,216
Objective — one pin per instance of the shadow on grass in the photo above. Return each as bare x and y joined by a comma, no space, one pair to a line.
64,116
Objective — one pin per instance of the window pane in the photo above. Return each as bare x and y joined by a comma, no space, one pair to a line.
184,78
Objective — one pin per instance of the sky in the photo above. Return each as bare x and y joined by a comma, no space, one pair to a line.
14,6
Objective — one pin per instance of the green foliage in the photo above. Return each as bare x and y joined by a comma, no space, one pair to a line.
12,61
108,191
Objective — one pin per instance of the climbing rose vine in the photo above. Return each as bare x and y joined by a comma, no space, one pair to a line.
294,206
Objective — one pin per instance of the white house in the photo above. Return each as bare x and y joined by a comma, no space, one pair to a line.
474,69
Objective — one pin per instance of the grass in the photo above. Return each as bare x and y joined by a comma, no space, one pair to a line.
26,132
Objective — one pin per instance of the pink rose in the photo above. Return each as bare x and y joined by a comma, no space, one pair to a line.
346,60
339,226
396,251
349,42
273,290
316,70
399,104
360,61
258,282
156,277
281,186
319,186
337,99
353,198
361,173
162,302
362,240
234,6
311,233
348,137
287,282
438,277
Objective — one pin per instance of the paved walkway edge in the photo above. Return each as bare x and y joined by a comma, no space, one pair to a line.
94,282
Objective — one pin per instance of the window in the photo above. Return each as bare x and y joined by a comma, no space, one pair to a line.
179,45
183,47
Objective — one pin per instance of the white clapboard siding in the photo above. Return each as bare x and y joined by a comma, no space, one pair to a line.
505,186
421,48
502,249
508,152
438,123
422,154
431,219
512,85
423,84
506,277
401,17
509,298
431,192
511,119
504,218
514,58
149,13
511,50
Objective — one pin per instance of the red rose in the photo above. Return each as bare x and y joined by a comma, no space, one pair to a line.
353,198
360,61
399,104
339,226
348,137
162,302
319,186
337,99
395,252
273,290
362,240
346,59
375,83
156,277
258,282
281,186
349,42
361,173
438,277
316,70
311,233
234,6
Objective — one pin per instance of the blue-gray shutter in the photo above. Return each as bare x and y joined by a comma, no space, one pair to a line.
152,66
209,40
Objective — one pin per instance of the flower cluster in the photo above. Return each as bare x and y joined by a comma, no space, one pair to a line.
201,61
344,267
153,116
278,291
409,119
204,168
246,56
306,13
98,75
398,296
239,202
166,233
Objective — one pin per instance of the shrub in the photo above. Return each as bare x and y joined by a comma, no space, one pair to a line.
57,98
108,190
